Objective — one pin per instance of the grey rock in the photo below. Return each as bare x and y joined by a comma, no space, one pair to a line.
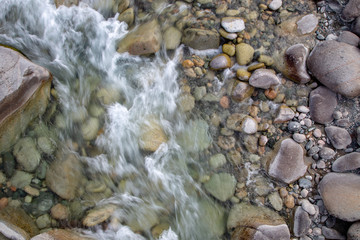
275,4
307,24
308,207
354,231
326,153
330,233
275,201
249,125
305,183
347,162
302,222
217,160
221,186
295,63
340,193
288,163
337,66
349,38
299,138
9,164
233,24
201,39
21,179
24,90
351,10
284,114
356,26
220,61
214,217
26,154
322,103
339,137
294,126
44,221
263,78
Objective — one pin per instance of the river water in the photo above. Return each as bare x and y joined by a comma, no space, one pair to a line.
78,46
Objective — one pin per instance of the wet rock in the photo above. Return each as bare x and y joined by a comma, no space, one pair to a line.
347,162
172,38
299,138
337,66
275,4
128,17
340,193
67,3
356,26
46,145
220,61
63,176
249,125
284,114
90,128
201,39
275,201
213,217
225,34
330,233
24,94
98,215
44,221
21,179
233,122
144,219
60,234
354,231
217,160
145,39
187,102
11,231
322,103
351,10
307,24
339,137
349,38
246,221
244,53
232,24
196,143
228,49
221,186
286,163
152,135
295,63
263,78
26,154
60,212
308,207
108,95
302,222
243,74
9,164
241,91
326,153
18,217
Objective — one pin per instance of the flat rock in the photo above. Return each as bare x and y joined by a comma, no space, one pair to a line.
247,221
287,163
233,24
201,39
63,176
330,233
348,162
24,94
340,193
322,104
263,78
351,10
354,231
60,234
145,39
307,24
221,186
302,222
337,66
21,179
295,63
349,38
339,137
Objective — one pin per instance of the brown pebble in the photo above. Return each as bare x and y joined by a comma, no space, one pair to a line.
290,201
270,93
256,66
3,202
60,212
187,63
224,102
198,61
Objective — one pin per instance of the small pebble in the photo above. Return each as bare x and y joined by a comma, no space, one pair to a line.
304,193
317,133
320,164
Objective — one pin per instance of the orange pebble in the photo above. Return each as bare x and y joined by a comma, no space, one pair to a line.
187,64
3,202
13,188
270,94
224,102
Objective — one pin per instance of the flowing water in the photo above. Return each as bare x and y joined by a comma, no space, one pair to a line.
122,93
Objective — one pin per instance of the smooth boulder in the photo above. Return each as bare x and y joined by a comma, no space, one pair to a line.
339,137
347,162
322,104
337,66
341,193
295,63
24,94
286,162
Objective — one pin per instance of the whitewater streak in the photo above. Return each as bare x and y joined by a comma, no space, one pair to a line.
78,45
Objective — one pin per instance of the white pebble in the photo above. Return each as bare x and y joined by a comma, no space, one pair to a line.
275,5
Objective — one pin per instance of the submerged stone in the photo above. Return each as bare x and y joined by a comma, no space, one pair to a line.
201,39
221,186
152,135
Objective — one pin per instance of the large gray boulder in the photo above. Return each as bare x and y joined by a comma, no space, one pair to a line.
286,163
24,94
322,104
341,193
337,66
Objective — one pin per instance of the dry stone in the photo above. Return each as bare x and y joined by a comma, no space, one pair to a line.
322,103
339,137
347,162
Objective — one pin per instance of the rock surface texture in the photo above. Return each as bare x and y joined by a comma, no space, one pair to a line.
24,94
337,66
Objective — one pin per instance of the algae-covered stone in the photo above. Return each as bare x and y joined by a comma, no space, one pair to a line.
221,186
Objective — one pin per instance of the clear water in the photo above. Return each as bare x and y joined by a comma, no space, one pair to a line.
78,45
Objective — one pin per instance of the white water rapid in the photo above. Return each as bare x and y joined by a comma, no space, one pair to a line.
78,46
